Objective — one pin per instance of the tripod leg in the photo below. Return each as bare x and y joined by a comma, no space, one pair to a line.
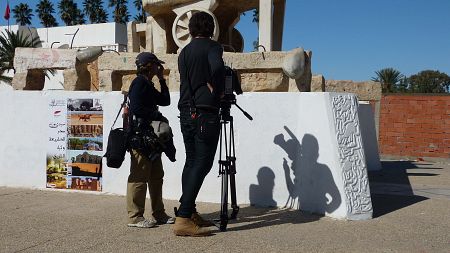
223,170
234,205
232,172
224,201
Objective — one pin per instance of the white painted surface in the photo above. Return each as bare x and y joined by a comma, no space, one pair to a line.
22,152
369,134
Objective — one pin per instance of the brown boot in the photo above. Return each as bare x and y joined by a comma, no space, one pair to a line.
186,227
197,219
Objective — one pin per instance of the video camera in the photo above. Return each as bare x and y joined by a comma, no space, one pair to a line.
232,85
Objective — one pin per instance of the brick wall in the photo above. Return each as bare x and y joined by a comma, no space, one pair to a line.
415,125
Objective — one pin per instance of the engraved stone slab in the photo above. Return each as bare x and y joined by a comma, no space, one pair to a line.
350,153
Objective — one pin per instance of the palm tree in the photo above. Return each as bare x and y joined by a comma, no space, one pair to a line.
45,13
23,14
70,14
141,17
9,41
120,14
389,78
94,11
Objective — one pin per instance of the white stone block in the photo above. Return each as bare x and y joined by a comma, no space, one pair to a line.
43,58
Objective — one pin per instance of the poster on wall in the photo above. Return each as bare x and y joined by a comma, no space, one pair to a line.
75,145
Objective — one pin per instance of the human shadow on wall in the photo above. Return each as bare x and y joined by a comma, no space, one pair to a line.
263,211
391,188
262,194
312,185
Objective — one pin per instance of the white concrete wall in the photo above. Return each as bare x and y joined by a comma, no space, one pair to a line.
106,34
320,181
369,134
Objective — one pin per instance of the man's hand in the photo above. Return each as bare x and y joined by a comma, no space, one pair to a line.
160,72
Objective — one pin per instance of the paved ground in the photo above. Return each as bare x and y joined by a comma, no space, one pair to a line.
411,206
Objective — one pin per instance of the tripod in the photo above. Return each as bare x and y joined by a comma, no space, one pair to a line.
227,165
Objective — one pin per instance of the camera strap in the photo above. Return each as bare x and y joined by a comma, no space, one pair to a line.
192,107
125,98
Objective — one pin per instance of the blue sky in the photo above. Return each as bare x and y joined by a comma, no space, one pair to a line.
351,39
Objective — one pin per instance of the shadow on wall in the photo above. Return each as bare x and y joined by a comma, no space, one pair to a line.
262,193
311,188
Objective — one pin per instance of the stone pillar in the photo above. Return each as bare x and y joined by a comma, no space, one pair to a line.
133,37
93,71
105,80
318,83
157,35
149,35
278,24
33,79
78,78
265,24
19,80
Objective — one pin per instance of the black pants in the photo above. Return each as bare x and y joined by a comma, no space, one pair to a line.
200,136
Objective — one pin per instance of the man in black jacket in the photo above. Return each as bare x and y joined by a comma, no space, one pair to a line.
144,101
202,76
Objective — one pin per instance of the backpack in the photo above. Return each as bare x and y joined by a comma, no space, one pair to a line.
117,143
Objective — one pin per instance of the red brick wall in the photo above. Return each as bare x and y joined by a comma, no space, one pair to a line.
415,125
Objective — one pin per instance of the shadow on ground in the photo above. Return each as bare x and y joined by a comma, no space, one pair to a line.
391,188
251,217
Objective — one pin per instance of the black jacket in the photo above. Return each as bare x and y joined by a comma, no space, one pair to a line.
199,63
145,98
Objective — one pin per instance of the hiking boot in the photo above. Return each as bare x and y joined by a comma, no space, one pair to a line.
143,224
186,227
164,219
199,221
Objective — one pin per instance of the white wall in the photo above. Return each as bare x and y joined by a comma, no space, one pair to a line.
23,155
106,34
367,120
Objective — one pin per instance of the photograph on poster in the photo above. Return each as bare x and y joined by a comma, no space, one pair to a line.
85,118
56,171
85,169
84,163
84,156
77,143
84,183
86,104
86,131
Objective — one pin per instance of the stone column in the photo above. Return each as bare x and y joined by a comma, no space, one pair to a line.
278,24
19,80
32,79
318,83
105,80
133,37
265,24
158,35
149,35
78,78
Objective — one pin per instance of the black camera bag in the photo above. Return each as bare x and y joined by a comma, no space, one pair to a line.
116,149
117,144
